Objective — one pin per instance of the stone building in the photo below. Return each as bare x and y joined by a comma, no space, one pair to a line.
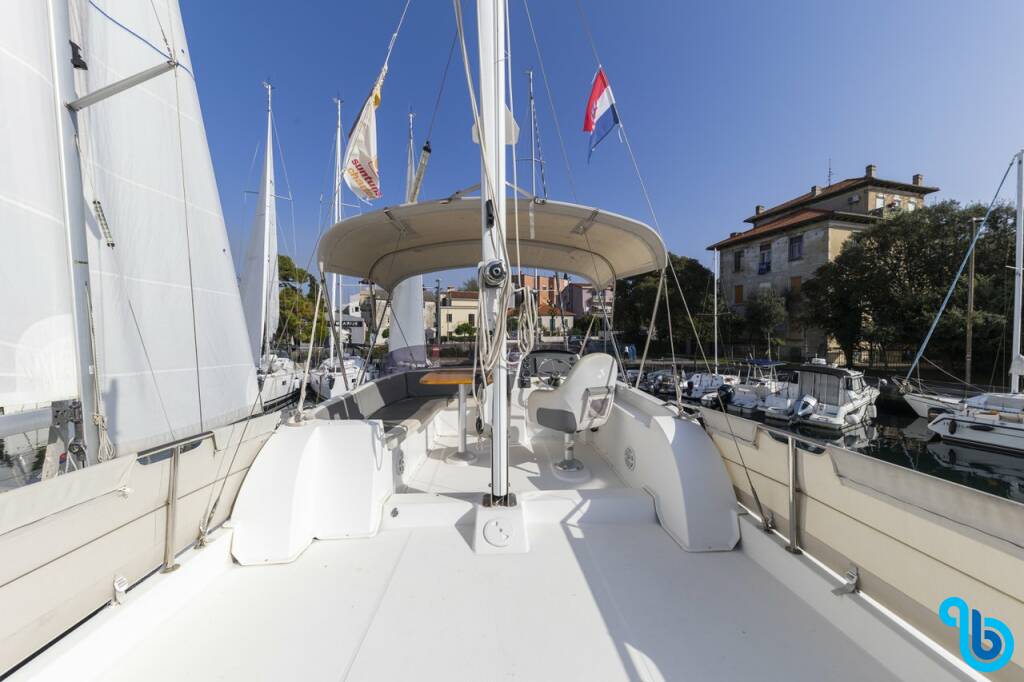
786,244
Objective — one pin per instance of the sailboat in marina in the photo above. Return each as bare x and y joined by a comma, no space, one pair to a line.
341,371
988,419
592,532
122,338
278,376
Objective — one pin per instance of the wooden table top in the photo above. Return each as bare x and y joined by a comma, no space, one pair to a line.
448,377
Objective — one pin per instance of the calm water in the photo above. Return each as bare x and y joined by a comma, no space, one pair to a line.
905,440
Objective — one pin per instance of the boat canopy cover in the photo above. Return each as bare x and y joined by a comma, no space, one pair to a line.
392,244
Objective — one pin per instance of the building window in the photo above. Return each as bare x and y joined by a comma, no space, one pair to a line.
911,205
738,294
472,320
737,261
897,202
449,317
764,263
879,201
796,247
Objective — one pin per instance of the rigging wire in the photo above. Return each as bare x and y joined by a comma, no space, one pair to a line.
765,522
1017,158
440,90
287,182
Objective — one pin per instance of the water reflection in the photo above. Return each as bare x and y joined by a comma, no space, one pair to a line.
906,440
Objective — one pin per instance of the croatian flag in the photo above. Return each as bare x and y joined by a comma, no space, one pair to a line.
601,115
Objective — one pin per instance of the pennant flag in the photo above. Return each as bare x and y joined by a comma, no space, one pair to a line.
601,115
361,172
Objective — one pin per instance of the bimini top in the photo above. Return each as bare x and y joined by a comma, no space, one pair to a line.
393,244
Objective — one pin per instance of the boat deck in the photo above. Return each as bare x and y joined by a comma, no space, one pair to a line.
602,602
530,469
614,599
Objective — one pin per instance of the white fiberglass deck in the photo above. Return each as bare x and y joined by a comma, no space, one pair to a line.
612,600
530,469
603,602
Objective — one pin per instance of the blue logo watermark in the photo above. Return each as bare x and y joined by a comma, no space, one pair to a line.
986,644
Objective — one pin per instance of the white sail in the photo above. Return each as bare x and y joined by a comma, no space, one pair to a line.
259,283
171,347
37,356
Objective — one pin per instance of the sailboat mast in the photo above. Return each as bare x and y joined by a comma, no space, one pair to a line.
332,291
533,180
491,32
1017,361
267,192
87,430
716,265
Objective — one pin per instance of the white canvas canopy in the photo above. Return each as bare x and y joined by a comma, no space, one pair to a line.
393,244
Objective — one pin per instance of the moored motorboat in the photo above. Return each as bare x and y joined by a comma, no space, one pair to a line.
833,397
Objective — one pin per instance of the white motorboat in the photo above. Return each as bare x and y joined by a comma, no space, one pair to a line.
591,533
833,397
749,396
699,384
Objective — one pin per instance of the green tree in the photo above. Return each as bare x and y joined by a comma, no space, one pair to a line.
765,311
634,302
582,323
465,329
888,283
470,285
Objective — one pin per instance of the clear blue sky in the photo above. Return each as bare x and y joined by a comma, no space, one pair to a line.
728,104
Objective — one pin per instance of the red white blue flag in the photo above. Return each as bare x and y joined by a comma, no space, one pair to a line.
601,115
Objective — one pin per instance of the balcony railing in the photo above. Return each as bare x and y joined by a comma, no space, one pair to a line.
764,267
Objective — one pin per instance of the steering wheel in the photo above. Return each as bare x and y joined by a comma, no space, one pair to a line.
554,375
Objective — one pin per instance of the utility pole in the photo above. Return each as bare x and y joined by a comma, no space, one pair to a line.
970,303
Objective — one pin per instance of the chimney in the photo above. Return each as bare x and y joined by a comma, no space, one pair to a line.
734,234
759,209
815,190
918,179
869,170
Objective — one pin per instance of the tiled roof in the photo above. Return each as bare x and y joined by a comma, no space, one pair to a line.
840,187
807,215
464,294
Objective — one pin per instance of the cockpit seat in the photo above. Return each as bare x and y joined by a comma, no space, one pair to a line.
582,401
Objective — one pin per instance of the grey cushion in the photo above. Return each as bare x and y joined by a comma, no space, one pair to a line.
391,399
410,409
559,420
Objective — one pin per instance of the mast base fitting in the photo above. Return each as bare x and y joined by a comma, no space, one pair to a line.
500,500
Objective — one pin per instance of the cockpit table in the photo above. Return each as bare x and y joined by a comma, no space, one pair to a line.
462,378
